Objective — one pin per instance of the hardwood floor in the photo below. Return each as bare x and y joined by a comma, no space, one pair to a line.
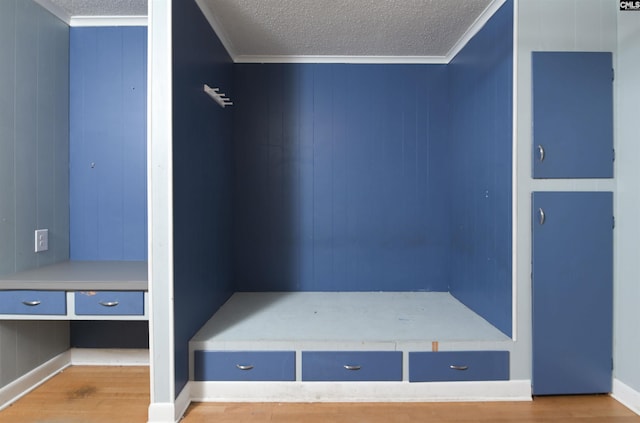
86,394
591,409
121,395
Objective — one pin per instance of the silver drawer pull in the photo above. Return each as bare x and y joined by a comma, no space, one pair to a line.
352,367
31,303
541,216
456,367
244,366
108,303
541,153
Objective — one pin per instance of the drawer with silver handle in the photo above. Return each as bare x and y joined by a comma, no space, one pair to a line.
33,302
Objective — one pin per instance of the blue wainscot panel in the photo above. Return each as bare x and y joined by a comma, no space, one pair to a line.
126,303
481,98
455,366
245,366
351,366
33,302
107,143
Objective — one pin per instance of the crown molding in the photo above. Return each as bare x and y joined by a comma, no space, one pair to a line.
217,28
342,59
79,21
475,28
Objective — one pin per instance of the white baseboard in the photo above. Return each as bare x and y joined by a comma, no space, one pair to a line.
171,412
512,390
183,401
109,357
162,412
25,384
626,395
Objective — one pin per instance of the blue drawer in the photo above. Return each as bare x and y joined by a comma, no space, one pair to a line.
451,366
352,365
33,302
244,366
108,303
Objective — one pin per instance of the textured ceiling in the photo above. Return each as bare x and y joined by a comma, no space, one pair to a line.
342,27
256,30
102,7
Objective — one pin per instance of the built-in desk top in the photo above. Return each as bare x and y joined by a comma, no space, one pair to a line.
81,276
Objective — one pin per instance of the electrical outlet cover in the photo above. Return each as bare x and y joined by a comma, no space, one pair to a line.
42,240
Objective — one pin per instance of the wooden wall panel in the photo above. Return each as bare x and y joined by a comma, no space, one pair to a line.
481,124
108,143
341,178
7,137
202,185
34,184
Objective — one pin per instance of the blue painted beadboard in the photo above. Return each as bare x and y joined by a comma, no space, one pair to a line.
481,142
341,178
108,95
202,161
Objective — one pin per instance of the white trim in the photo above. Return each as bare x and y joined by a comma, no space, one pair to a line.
626,396
217,28
55,10
513,390
182,402
514,181
80,21
475,28
36,377
109,357
162,412
432,60
160,210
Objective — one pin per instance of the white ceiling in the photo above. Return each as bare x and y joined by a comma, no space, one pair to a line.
270,30
76,8
322,30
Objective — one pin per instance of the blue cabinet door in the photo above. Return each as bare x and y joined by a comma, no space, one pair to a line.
572,115
572,292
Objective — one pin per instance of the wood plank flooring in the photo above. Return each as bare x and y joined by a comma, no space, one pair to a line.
121,394
86,394
590,409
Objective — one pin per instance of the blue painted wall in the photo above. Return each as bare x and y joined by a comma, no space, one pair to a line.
202,159
108,168
342,177
107,151
481,142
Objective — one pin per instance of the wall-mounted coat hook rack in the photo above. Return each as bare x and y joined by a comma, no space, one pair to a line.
219,97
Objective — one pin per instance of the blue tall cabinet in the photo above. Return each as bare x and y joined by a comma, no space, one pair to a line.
572,292
572,232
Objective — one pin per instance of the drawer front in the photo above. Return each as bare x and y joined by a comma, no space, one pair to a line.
33,302
244,366
451,366
100,303
352,366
